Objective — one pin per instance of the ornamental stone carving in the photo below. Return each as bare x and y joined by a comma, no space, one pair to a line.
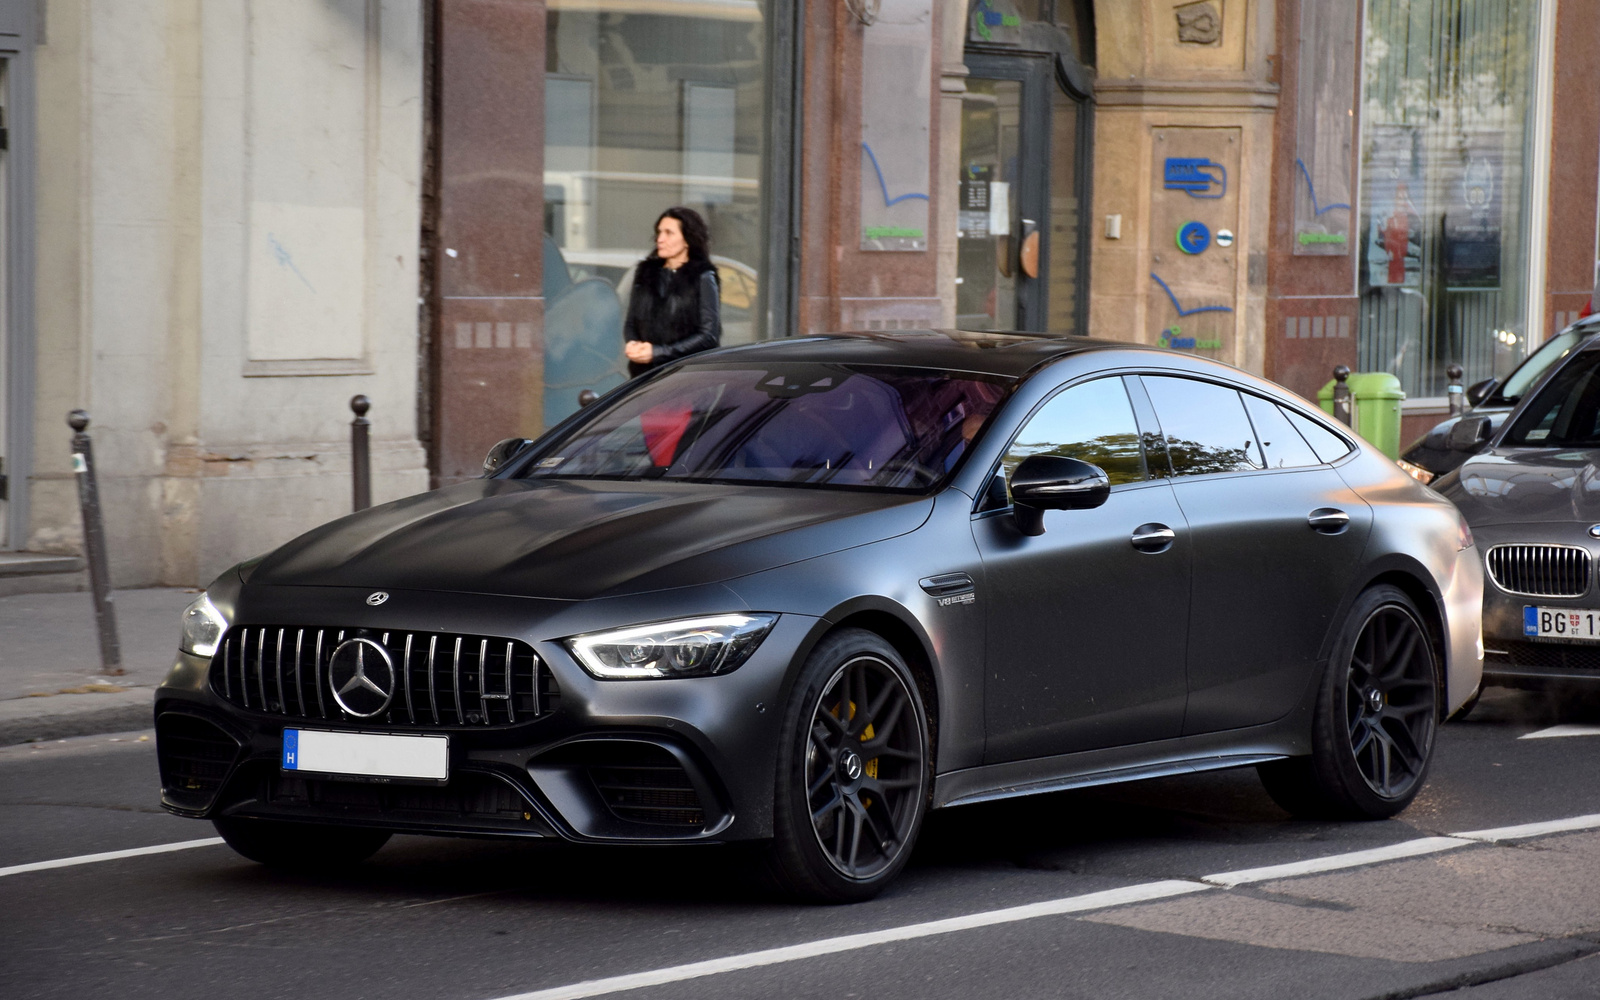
1199,23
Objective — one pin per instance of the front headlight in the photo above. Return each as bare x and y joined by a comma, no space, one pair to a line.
692,647
203,626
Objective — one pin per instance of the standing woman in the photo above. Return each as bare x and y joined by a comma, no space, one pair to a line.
675,307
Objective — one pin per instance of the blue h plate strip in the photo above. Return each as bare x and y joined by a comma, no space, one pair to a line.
1530,620
291,749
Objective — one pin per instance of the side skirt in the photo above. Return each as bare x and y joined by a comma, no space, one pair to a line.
1162,758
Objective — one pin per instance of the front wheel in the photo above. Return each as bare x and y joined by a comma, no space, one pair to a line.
854,772
306,847
1376,718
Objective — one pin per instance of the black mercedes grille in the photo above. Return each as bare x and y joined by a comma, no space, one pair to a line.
1540,570
648,785
441,679
1557,656
195,758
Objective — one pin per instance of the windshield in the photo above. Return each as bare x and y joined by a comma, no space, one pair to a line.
1566,411
791,424
1524,376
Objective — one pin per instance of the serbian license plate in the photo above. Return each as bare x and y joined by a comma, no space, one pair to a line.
1560,623
369,755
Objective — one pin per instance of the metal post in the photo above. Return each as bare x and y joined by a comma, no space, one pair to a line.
1458,398
360,459
1341,396
94,544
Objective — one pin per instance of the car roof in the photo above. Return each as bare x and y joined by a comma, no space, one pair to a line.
1006,354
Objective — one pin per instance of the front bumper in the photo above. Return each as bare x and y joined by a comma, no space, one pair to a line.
637,761
1515,660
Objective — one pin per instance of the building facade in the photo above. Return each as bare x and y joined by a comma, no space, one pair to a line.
225,218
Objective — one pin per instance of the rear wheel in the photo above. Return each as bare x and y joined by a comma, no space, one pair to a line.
299,846
1376,718
854,772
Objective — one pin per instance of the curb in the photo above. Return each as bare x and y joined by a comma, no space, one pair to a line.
31,720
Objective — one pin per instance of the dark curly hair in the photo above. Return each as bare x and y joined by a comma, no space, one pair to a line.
694,229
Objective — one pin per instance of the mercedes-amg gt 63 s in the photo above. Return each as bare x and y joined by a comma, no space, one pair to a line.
801,592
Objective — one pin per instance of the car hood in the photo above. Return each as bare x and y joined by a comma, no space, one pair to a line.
574,540
1527,484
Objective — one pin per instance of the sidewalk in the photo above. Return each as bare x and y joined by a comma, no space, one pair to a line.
50,681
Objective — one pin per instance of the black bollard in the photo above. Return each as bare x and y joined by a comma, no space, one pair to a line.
1341,396
360,457
1458,398
94,544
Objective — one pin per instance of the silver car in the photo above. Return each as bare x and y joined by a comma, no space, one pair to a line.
1533,501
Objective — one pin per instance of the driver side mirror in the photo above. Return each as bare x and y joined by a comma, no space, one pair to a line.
1477,392
1469,433
1052,482
502,452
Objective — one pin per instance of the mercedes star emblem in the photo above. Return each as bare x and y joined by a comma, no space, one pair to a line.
377,597
362,677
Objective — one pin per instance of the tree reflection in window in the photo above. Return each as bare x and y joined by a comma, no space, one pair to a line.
1093,423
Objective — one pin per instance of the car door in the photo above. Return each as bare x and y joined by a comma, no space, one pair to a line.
1086,622
1277,537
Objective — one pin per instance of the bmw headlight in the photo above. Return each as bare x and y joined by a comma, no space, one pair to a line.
691,647
203,626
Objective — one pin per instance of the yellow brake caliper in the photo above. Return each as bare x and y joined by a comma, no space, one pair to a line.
870,768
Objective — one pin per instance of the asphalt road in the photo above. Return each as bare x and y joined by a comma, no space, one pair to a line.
1141,890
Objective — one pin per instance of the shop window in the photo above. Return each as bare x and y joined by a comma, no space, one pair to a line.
1444,201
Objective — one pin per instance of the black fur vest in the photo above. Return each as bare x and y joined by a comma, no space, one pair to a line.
664,306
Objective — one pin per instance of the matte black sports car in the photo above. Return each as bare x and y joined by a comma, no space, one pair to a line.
801,592
1533,497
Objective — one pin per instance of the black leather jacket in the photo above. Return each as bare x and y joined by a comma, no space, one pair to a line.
677,311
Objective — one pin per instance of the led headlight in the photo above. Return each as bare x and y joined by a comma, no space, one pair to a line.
691,647
203,626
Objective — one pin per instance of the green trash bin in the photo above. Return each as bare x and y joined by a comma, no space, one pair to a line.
1375,400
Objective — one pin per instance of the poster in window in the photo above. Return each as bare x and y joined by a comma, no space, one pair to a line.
1472,211
1395,193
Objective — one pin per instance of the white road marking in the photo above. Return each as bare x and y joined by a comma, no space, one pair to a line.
1569,729
855,942
1143,893
1526,830
89,859
1354,859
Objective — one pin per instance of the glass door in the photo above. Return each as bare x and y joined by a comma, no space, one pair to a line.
1019,259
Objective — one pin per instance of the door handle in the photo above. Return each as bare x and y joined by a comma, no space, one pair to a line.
1328,520
1153,537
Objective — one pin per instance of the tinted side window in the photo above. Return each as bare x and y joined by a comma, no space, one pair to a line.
1092,422
1282,445
1205,426
1328,445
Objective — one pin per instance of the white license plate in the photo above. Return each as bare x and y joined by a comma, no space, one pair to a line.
1561,623
369,755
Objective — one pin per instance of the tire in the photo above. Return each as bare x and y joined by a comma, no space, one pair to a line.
1376,718
305,847
854,773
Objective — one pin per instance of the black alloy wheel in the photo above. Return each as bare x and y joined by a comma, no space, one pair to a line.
854,772
1376,719
1390,706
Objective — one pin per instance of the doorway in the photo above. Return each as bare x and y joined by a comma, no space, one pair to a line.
1021,250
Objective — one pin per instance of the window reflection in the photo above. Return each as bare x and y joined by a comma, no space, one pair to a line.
1093,423
1205,426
